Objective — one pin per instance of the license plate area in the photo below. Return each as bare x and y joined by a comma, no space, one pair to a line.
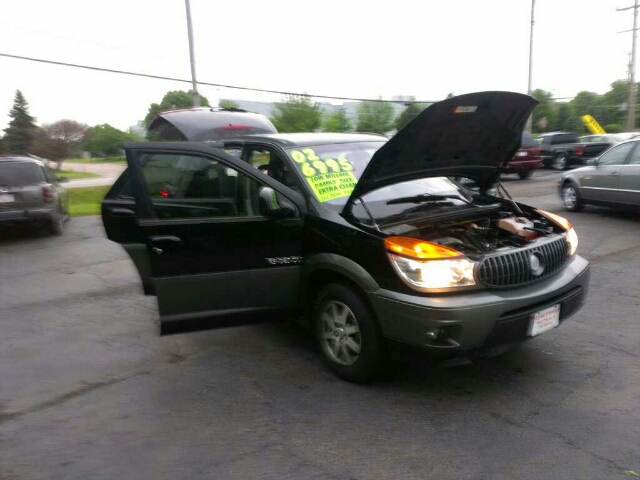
7,198
544,320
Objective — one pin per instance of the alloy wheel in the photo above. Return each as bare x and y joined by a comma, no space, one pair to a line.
570,197
341,339
560,163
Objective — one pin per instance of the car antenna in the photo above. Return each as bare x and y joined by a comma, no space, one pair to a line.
509,197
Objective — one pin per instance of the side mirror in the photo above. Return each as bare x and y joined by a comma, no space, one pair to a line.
273,204
63,179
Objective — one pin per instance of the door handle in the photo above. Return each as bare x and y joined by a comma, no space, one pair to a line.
614,173
122,212
165,239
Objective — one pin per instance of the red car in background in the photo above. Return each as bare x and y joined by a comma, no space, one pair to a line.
526,159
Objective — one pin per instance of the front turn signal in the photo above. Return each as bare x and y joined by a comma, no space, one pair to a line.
416,248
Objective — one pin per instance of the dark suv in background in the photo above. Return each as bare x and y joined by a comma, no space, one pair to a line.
31,193
561,150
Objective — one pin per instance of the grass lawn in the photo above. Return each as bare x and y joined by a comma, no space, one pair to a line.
118,160
71,175
86,201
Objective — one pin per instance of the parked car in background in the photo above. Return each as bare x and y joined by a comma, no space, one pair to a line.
612,180
526,160
561,150
601,141
208,123
368,240
31,193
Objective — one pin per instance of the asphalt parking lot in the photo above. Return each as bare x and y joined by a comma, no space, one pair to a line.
89,390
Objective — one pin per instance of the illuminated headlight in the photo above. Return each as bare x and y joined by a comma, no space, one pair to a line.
572,240
435,274
521,154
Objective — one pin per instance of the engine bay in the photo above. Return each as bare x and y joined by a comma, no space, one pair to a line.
498,231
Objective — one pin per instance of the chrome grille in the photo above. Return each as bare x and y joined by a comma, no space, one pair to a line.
513,269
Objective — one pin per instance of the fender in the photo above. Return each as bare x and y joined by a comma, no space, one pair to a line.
341,265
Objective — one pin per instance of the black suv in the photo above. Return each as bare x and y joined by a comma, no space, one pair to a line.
369,240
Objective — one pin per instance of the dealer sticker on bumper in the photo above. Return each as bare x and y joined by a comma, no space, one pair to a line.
544,320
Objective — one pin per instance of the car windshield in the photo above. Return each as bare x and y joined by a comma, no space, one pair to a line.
332,171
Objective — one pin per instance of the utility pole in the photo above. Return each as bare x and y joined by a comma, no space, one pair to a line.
631,125
529,91
194,82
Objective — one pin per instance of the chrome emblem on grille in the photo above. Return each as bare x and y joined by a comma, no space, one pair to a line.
536,264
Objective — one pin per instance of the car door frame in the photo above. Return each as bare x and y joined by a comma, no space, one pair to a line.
630,196
146,217
599,194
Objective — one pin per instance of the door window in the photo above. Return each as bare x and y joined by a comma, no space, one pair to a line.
635,157
616,155
191,186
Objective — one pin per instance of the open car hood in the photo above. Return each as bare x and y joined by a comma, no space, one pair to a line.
466,136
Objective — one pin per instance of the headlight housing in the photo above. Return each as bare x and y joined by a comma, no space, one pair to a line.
564,224
428,266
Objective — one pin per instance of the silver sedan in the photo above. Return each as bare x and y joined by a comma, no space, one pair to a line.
612,180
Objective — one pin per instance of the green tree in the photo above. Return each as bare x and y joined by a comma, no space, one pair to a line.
297,114
337,122
104,140
544,115
375,117
409,113
172,100
230,104
20,130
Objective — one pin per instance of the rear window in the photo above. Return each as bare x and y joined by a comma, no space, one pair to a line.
13,174
564,138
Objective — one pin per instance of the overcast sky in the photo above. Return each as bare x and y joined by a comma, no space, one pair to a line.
423,48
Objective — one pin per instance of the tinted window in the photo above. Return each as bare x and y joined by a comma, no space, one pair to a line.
528,141
564,138
13,174
616,155
190,186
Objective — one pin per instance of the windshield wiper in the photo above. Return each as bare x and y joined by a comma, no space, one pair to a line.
427,198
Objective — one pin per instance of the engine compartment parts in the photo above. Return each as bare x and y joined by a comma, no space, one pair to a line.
477,236
519,226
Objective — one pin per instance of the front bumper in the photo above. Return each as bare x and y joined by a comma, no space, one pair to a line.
481,319
26,215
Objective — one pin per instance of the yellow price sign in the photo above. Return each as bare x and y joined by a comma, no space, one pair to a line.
328,178
592,125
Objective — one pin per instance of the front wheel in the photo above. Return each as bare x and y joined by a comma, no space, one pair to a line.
560,162
571,198
347,333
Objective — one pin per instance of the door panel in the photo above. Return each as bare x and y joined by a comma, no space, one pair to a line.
209,248
602,182
630,183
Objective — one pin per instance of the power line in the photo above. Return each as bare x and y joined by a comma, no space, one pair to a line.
210,84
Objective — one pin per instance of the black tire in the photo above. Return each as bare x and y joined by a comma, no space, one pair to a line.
524,174
371,354
560,161
571,197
